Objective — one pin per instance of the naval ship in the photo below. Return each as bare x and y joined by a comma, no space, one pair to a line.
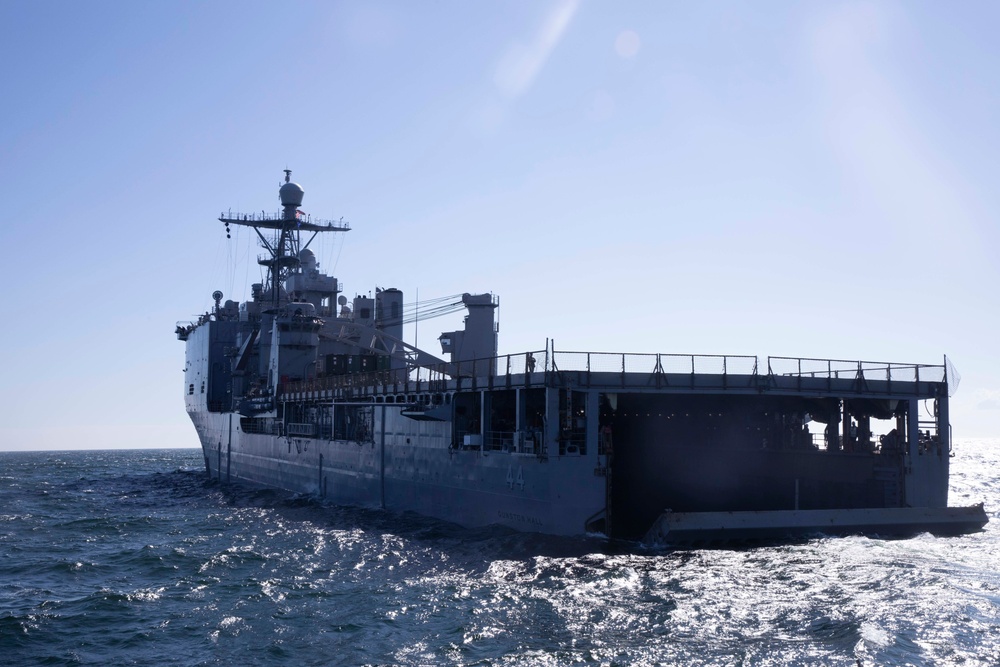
302,389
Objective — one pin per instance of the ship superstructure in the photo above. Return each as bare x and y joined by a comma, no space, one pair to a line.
300,388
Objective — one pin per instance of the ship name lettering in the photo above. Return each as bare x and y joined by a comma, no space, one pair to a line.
514,516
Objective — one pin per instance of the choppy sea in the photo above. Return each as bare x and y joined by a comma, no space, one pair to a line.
136,558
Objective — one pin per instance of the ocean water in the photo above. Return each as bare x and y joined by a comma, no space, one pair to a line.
135,558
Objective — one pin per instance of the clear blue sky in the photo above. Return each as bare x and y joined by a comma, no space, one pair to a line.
815,179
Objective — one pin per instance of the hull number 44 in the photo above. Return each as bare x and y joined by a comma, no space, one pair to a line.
512,480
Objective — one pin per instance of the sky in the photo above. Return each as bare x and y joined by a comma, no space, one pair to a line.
769,178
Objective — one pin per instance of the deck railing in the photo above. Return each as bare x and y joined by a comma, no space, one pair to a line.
520,442
864,370
532,368
277,217
613,362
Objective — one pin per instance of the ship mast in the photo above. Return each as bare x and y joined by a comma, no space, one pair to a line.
284,246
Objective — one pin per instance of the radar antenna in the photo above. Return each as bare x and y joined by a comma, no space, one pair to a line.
285,243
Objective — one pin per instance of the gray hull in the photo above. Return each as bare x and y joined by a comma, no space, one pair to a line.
558,495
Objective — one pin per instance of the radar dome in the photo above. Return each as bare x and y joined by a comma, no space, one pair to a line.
307,258
291,194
